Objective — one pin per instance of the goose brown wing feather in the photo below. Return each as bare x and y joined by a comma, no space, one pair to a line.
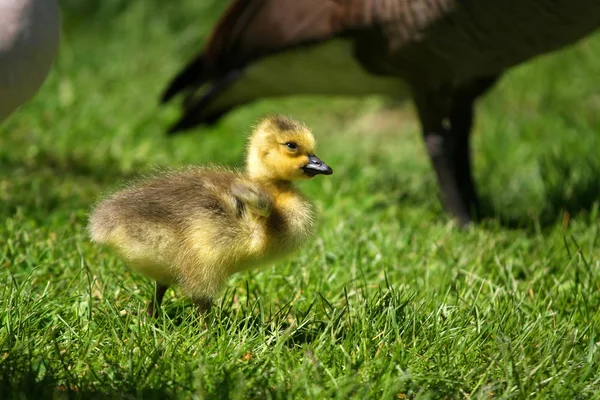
254,28
251,29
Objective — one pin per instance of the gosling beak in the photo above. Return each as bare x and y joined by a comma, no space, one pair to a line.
315,166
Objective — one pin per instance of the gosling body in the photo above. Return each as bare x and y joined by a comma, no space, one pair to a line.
198,226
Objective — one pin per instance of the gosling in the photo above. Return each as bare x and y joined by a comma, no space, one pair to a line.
196,227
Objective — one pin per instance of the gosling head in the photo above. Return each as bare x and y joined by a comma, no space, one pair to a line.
282,149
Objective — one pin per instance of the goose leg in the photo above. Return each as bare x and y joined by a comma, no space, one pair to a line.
461,123
159,293
446,119
443,149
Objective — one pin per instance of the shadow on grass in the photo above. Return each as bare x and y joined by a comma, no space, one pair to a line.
570,190
322,319
288,323
68,166
249,320
46,183
21,381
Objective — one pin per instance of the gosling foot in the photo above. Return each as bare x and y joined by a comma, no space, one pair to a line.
154,306
203,305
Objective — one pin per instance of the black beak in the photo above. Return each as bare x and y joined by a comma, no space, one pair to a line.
315,166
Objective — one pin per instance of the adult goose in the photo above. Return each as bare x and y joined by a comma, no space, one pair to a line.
444,53
29,36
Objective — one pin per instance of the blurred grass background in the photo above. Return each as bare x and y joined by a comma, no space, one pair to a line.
391,299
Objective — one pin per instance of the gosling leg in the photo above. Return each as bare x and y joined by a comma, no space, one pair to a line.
203,304
154,306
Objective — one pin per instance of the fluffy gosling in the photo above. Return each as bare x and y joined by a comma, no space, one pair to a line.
197,226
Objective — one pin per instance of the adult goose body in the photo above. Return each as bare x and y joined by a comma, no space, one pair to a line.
442,53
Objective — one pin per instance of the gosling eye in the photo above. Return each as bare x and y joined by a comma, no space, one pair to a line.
291,145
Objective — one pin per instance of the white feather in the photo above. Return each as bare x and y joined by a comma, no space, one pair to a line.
29,37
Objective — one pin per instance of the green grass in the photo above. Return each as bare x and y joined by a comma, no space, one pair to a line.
390,300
